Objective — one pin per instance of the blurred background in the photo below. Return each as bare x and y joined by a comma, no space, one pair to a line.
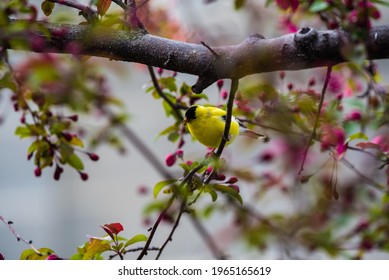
59,214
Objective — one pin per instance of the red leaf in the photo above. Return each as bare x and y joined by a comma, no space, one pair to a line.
103,6
113,229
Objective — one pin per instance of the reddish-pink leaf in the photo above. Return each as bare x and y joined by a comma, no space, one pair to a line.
112,229
367,145
103,6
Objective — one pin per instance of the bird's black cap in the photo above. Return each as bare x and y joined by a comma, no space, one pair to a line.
190,114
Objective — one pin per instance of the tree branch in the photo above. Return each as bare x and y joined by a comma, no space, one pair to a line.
308,48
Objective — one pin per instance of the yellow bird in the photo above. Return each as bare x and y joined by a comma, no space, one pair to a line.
206,124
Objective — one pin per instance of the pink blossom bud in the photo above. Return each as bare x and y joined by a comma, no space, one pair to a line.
84,176
232,180
73,118
220,84
38,172
93,156
224,94
143,189
170,159
311,82
354,116
180,154
208,170
53,257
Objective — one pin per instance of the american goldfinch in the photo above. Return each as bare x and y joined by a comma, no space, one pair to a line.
206,124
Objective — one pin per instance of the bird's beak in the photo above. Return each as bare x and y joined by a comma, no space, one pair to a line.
185,121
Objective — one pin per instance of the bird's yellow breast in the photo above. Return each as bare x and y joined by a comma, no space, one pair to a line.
208,126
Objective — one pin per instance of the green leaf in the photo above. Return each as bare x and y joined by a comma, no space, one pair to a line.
58,127
75,162
66,151
173,136
34,145
168,130
318,6
155,206
95,248
76,257
23,131
6,78
185,89
381,2
76,142
358,135
135,239
239,4
47,7
160,185
213,195
168,83
30,254
228,191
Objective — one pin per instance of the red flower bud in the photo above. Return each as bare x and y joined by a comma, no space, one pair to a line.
354,116
220,84
38,172
53,257
180,154
224,94
73,118
232,180
84,176
67,136
57,173
170,159
93,156
29,156
220,177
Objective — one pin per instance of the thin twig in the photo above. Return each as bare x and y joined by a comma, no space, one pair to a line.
85,11
230,104
18,237
187,178
313,134
155,227
136,23
163,95
182,209
369,181
133,250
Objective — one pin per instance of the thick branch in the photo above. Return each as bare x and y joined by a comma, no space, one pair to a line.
308,48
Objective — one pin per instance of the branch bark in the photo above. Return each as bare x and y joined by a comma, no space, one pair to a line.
308,48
